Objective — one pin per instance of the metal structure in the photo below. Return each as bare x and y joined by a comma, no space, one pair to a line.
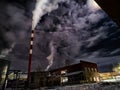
4,66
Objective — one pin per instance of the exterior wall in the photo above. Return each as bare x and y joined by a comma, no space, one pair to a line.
83,72
90,71
38,79
108,75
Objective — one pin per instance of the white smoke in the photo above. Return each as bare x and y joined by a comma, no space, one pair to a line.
43,7
50,58
6,51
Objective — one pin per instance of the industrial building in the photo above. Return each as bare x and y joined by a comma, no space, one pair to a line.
16,78
38,79
83,72
4,66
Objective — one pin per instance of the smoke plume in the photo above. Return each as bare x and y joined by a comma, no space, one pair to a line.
50,58
81,30
6,51
43,7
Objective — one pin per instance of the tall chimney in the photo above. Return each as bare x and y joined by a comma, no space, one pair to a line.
30,55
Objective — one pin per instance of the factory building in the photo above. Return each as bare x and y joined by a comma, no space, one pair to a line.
38,79
83,72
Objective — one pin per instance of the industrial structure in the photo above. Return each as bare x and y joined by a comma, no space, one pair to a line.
4,66
83,72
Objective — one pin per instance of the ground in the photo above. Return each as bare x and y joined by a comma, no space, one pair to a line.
94,86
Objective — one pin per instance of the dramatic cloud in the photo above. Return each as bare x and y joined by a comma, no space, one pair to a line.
79,29
14,30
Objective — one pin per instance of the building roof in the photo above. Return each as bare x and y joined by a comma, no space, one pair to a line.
73,65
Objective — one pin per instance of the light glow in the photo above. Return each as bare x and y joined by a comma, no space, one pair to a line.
93,5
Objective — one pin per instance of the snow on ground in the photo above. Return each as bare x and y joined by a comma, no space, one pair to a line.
88,87
80,87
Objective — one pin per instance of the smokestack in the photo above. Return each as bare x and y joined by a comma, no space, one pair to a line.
30,54
42,7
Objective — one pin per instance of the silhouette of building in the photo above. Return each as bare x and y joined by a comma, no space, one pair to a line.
83,72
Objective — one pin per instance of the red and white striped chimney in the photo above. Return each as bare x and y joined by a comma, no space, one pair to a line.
30,53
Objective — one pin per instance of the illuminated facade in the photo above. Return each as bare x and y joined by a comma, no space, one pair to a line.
111,76
83,72
4,66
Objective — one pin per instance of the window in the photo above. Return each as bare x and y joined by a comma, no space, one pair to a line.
86,69
92,69
63,71
95,70
89,69
64,79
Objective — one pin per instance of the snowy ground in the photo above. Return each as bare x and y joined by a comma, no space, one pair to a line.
80,87
88,87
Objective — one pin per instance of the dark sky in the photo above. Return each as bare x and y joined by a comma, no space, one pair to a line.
77,28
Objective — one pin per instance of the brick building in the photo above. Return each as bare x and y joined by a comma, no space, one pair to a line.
83,72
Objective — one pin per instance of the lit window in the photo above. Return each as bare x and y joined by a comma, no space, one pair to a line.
92,69
89,69
95,70
94,78
4,71
64,71
64,79
91,79
97,79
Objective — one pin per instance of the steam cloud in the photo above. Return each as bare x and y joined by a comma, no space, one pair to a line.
81,30
43,7
50,58
6,51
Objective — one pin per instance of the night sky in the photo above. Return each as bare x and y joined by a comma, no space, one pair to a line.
77,29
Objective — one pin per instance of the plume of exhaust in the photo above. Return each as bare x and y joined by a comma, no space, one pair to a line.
43,7
6,51
50,58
